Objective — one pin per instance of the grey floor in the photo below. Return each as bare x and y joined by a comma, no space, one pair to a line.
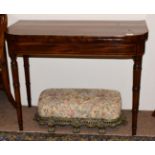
8,121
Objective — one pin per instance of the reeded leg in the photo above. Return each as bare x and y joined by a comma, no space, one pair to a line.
17,91
136,91
27,78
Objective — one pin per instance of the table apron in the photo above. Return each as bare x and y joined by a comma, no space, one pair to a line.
76,50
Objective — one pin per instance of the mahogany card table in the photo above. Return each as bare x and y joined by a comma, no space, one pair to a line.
77,39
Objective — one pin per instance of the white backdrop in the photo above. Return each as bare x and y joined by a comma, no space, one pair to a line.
84,73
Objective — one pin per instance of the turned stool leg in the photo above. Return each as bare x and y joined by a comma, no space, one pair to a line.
27,78
101,130
76,129
51,126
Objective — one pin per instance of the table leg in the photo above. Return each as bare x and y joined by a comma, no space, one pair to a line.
27,78
15,76
136,91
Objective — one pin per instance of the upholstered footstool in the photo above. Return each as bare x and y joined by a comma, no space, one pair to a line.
79,107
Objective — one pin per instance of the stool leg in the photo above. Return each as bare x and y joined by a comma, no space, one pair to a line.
51,129
76,129
101,130
27,78
51,126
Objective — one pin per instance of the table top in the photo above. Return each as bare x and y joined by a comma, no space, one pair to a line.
99,29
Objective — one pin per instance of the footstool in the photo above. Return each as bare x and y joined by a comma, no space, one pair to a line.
79,107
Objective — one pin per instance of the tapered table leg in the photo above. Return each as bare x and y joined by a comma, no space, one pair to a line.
27,78
136,91
17,91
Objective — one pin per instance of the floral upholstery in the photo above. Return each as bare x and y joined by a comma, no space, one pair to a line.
80,103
